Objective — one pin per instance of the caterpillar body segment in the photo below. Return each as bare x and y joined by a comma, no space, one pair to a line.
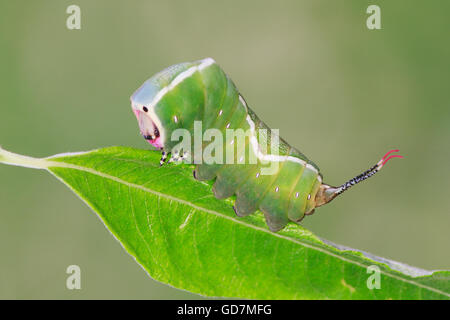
186,94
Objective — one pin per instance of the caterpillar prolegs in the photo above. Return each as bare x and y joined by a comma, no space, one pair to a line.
256,165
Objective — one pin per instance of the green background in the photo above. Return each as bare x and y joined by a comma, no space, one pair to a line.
342,94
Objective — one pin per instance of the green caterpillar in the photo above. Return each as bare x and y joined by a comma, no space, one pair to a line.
187,94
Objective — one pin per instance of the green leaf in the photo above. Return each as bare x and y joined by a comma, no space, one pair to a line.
181,235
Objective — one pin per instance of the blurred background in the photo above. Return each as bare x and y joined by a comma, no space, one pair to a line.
339,92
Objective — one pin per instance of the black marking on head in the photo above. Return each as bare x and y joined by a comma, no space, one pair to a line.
144,108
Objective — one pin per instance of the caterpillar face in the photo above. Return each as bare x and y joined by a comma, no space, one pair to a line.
149,123
148,127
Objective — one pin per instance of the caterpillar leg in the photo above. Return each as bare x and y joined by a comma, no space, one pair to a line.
205,171
163,158
178,157
186,157
174,157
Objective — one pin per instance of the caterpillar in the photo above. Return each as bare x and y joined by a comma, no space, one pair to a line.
199,92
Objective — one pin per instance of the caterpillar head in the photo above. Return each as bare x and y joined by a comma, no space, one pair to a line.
155,116
149,123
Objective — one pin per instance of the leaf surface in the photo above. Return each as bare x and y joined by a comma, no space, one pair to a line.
183,236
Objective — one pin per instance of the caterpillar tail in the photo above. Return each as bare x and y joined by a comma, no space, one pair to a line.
327,193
